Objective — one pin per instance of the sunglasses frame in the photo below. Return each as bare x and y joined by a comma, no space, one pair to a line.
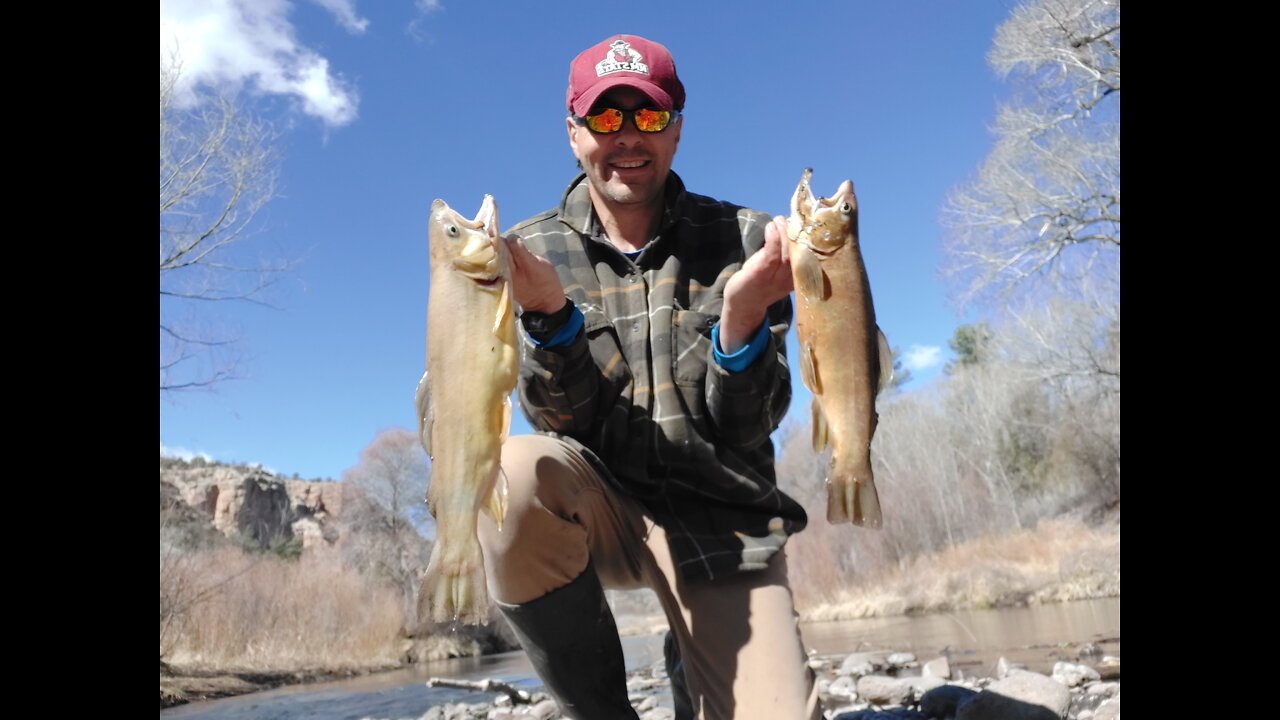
585,120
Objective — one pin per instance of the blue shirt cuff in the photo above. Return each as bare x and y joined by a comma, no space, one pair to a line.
741,360
566,334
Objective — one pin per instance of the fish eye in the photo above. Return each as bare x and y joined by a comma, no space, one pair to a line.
846,208
452,230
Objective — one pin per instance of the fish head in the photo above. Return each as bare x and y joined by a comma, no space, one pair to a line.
823,224
470,247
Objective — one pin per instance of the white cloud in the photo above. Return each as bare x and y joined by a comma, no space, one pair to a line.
345,12
425,8
922,357
236,42
183,453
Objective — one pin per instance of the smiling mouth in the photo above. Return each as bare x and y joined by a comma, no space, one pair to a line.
629,164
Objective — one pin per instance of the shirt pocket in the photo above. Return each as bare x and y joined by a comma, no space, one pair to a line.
606,352
691,345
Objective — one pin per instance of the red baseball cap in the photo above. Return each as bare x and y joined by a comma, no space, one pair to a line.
624,60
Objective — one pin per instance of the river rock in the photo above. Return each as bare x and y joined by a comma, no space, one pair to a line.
921,685
638,683
1073,675
545,710
942,702
843,687
902,660
1020,696
882,690
859,664
938,667
1109,668
1103,688
1109,710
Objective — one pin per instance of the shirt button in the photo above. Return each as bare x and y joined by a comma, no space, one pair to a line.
631,279
635,327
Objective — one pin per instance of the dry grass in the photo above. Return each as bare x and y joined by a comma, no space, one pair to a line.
264,612
1055,561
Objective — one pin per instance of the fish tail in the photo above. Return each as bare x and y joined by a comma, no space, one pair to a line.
454,589
852,497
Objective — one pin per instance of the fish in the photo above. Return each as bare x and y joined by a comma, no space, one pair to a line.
472,366
844,357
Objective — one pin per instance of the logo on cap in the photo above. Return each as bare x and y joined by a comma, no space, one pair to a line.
621,57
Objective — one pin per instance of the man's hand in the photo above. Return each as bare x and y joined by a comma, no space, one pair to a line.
764,279
534,280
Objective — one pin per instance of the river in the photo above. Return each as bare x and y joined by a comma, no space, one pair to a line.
973,640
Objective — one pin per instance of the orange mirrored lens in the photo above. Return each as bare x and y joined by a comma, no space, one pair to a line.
648,120
609,120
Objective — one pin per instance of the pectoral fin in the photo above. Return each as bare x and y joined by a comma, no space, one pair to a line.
806,270
821,434
809,369
504,309
496,505
426,414
505,429
886,360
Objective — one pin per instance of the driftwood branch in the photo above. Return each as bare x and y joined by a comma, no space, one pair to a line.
518,697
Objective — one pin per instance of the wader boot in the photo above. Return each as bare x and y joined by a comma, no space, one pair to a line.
572,641
675,673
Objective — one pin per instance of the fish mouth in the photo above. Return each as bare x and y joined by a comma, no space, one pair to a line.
806,205
802,201
487,218
808,212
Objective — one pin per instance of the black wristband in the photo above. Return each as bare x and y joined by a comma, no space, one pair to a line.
541,326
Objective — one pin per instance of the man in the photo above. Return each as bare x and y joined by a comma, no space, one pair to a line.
654,361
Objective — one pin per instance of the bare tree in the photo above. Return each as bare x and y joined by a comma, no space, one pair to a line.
1045,205
217,170
388,514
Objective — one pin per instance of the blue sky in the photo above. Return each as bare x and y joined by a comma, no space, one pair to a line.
382,107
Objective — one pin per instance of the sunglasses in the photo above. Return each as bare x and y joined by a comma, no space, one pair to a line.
610,120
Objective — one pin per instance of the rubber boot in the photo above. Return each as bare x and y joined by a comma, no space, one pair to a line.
675,673
573,644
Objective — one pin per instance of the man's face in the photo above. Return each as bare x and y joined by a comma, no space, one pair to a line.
626,167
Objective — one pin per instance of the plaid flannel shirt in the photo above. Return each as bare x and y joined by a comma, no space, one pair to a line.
638,390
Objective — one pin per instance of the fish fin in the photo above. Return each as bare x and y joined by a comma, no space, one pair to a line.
505,430
503,309
821,433
496,504
809,369
453,589
426,414
806,268
853,499
886,360
866,508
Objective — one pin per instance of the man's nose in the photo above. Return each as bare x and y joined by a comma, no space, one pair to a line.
629,136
